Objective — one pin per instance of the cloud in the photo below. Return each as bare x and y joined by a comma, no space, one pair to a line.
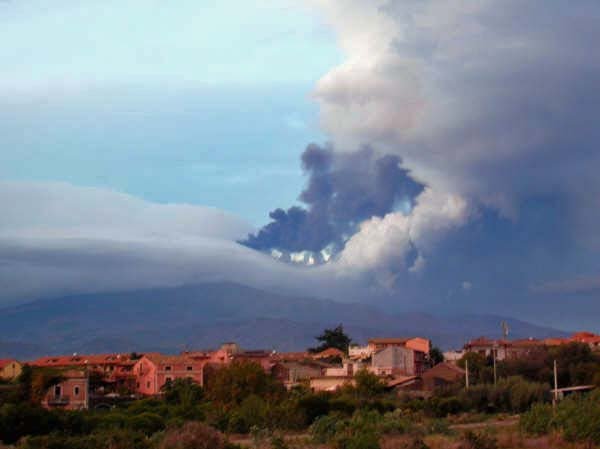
399,242
493,101
343,189
57,239
581,285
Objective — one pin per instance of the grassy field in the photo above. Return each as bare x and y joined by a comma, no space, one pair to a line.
500,433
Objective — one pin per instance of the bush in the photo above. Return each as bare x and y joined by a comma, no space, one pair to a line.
120,439
146,423
193,435
325,428
478,440
357,440
538,420
578,418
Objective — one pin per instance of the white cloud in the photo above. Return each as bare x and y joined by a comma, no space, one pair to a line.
386,243
59,239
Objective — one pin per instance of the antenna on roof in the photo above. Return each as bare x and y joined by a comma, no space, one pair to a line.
505,329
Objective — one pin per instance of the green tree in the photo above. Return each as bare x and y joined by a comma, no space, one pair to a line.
333,338
232,384
436,355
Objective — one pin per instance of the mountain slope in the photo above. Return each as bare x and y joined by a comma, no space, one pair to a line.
203,316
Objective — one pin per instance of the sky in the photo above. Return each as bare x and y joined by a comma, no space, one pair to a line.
428,155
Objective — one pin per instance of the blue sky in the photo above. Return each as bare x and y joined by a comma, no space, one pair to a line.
207,103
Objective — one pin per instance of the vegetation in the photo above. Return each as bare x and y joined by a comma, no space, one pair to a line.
242,399
333,338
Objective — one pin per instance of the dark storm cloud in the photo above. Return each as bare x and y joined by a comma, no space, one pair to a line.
343,189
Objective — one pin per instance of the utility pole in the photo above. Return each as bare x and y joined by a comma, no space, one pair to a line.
467,373
494,351
555,396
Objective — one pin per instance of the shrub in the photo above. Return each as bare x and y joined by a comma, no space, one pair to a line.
357,440
146,423
478,440
538,420
193,435
578,418
325,428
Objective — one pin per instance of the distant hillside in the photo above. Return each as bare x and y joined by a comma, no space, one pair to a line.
204,316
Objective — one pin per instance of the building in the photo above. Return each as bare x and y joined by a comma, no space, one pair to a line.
441,375
488,348
591,339
116,370
70,393
154,370
356,352
415,343
293,373
330,383
10,369
329,353
398,360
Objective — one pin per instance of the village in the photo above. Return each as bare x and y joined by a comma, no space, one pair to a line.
94,381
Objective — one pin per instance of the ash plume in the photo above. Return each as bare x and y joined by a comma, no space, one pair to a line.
343,190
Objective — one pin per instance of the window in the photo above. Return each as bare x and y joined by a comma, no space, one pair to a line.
167,368
148,384
76,391
168,379
57,391
189,368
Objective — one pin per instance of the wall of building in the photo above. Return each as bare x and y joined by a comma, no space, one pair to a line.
11,371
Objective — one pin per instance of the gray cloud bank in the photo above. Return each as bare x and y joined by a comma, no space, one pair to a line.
59,239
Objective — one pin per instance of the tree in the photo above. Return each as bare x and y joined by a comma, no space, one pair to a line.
436,355
230,385
333,338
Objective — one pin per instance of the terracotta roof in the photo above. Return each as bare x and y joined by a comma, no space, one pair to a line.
291,356
444,370
555,341
527,342
84,360
158,358
400,380
5,362
329,352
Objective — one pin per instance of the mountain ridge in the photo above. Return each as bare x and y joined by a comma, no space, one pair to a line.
202,316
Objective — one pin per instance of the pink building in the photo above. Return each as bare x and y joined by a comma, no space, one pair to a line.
71,393
153,371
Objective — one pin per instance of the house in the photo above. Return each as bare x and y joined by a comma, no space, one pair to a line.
154,370
330,383
488,348
230,352
349,368
329,353
116,370
398,360
507,349
356,352
592,340
453,356
294,372
10,369
415,343
70,393
441,375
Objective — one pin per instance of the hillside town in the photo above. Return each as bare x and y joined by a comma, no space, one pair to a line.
88,381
